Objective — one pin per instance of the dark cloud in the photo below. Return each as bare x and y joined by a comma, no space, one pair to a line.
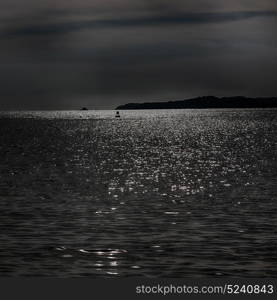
173,19
102,53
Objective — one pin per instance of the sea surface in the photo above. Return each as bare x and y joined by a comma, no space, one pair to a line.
178,193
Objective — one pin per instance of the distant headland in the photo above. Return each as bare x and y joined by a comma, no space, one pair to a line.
206,102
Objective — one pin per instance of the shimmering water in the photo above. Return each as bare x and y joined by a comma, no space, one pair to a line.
158,193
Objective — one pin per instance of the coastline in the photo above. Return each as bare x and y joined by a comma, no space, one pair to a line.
205,102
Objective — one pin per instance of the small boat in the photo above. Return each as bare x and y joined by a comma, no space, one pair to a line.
117,115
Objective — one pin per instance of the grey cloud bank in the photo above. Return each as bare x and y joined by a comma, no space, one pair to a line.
188,18
59,55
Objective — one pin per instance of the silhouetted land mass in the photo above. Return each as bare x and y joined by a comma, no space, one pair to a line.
206,102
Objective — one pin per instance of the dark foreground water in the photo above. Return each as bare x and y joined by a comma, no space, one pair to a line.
160,193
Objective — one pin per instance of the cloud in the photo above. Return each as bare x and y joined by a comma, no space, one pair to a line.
68,54
173,19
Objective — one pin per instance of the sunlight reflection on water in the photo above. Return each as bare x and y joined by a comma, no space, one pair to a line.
157,193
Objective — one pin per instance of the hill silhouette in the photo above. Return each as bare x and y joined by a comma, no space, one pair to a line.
206,102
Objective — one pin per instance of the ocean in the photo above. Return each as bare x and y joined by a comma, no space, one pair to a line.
164,193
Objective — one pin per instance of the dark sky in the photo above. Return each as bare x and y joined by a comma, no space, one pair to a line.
61,54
